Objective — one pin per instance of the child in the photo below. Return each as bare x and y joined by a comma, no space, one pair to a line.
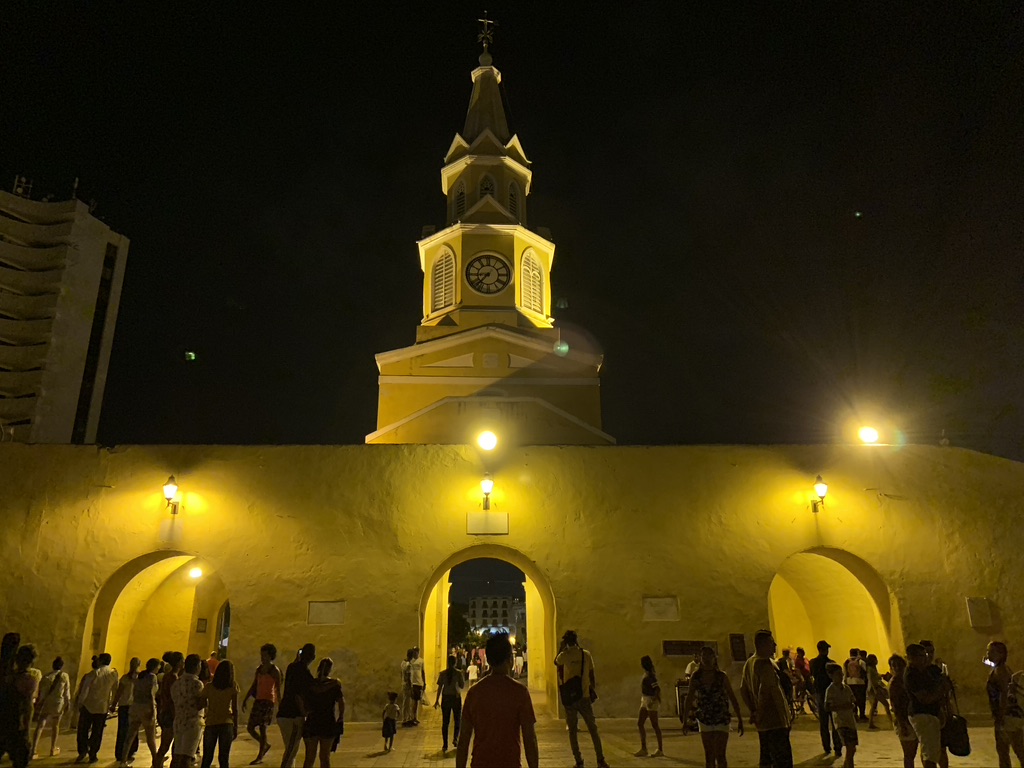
474,673
391,715
841,703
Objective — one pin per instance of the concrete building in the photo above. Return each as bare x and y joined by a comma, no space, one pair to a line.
497,613
61,271
641,549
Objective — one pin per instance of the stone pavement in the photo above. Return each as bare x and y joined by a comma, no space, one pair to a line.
421,746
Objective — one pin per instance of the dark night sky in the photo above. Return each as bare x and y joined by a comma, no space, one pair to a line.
485,576
700,169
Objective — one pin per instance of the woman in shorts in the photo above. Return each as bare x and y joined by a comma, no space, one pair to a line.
650,701
1006,710
899,700
711,694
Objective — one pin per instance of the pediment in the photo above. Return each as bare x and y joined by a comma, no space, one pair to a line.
515,150
488,211
458,148
449,421
488,144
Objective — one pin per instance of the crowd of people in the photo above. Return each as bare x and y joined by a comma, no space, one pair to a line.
194,704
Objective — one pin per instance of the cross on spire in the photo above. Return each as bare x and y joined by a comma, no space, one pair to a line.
486,35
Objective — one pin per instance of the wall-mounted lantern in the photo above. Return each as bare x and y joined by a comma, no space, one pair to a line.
487,486
821,489
171,494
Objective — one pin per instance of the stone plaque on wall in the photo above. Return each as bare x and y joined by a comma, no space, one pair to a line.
326,612
738,647
487,523
661,608
685,648
979,612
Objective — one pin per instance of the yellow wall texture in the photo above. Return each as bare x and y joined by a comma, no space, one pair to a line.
595,529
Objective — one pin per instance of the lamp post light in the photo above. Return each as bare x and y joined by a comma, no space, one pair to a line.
171,494
821,489
868,435
487,485
487,440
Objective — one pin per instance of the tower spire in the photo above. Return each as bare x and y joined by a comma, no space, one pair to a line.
485,107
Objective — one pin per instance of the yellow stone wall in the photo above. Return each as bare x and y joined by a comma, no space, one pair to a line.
596,529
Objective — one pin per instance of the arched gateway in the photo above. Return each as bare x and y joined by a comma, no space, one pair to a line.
540,618
162,600
825,593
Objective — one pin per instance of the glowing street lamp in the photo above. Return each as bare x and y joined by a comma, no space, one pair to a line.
487,440
868,435
487,485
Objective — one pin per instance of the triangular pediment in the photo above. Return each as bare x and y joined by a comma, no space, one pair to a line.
445,423
458,148
488,211
515,150
488,144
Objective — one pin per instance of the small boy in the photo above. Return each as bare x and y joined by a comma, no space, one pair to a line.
842,704
391,715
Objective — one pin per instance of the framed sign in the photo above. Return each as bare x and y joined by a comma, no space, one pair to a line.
200,626
738,647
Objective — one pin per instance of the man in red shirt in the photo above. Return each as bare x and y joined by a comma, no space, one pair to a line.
496,712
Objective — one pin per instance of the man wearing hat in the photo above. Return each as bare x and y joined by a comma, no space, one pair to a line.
822,681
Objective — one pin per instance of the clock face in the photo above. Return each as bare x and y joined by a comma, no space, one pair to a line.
487,274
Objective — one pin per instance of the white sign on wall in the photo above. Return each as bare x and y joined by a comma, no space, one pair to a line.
661,608
326,612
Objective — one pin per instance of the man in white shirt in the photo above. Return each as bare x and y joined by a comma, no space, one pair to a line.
95,699
418,683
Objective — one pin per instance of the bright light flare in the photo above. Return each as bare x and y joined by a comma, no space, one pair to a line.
868,435
487,440
196,573
487,485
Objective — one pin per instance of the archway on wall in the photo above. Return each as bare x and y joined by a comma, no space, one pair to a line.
161,601
540,618
486,596
830,594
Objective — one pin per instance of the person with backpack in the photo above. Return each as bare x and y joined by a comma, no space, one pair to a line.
855,676
577,687
449,698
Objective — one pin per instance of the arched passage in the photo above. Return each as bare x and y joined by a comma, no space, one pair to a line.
830,594
540,617
166,600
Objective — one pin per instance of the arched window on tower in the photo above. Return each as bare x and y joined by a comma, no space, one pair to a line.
486,187
442,282
460,199
513,200
532,283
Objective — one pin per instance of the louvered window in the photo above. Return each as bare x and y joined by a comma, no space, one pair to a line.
486,187
460,199
532,283
513,200
442,282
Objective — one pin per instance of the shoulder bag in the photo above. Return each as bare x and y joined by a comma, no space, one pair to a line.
954,732
571,691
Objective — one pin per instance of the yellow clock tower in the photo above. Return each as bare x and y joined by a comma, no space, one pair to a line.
488,354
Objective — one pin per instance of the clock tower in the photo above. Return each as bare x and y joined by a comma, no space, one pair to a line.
488,354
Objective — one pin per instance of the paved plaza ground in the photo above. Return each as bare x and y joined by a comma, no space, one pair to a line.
362,746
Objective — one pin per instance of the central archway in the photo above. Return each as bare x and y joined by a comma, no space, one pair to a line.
540,616
830,594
